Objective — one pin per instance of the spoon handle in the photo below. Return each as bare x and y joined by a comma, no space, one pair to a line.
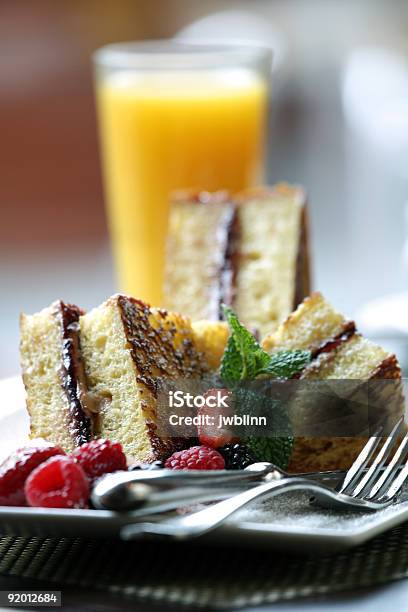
121,490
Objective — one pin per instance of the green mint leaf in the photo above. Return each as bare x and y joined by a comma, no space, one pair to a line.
250,400
245,359
275,450
231,364
285,364
253,358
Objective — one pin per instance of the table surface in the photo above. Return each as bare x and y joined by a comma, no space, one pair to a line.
393,595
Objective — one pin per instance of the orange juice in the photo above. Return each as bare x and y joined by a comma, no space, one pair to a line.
163,131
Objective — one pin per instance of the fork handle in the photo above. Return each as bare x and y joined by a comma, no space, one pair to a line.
201,522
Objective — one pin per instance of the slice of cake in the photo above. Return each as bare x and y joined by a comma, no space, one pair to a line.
272,275
53,373
338,353
127,346
250,252
95,374
198,268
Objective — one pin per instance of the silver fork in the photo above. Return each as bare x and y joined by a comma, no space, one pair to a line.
375,487
362,489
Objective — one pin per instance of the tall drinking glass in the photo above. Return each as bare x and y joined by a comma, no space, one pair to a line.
174,116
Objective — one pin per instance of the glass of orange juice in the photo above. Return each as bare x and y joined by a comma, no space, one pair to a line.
174,116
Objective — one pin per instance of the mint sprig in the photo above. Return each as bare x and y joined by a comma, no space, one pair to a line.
231,363
285,364
245,359
275,450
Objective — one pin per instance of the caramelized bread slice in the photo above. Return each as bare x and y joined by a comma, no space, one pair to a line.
53,373
314,325
272,276
354,358
211,339
250,253
339,353
197,272
126,346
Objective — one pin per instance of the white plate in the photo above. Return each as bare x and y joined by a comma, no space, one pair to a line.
287,522
14,422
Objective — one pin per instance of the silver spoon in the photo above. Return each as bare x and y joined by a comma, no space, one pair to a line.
130,490
163,489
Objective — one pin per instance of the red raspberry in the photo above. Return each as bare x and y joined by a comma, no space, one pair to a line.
15,470
100,457
196,458
208,432
58,483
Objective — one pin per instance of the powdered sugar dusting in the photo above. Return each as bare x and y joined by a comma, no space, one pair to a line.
294,512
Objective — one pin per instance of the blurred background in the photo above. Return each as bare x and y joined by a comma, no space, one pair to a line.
338,125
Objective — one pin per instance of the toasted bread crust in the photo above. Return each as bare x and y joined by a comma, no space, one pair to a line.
327,327
273,268
388,369
211,339
202,236
303,273
348,329
265,191
328,453
234,267
73,379
161,345
164,350
200,196
230,262
319,454
333,342
54,376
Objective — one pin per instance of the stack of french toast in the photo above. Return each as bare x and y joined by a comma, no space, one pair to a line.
92,374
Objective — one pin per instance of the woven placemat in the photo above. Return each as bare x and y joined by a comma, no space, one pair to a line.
209,577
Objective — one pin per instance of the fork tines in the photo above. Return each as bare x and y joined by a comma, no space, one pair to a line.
378,484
